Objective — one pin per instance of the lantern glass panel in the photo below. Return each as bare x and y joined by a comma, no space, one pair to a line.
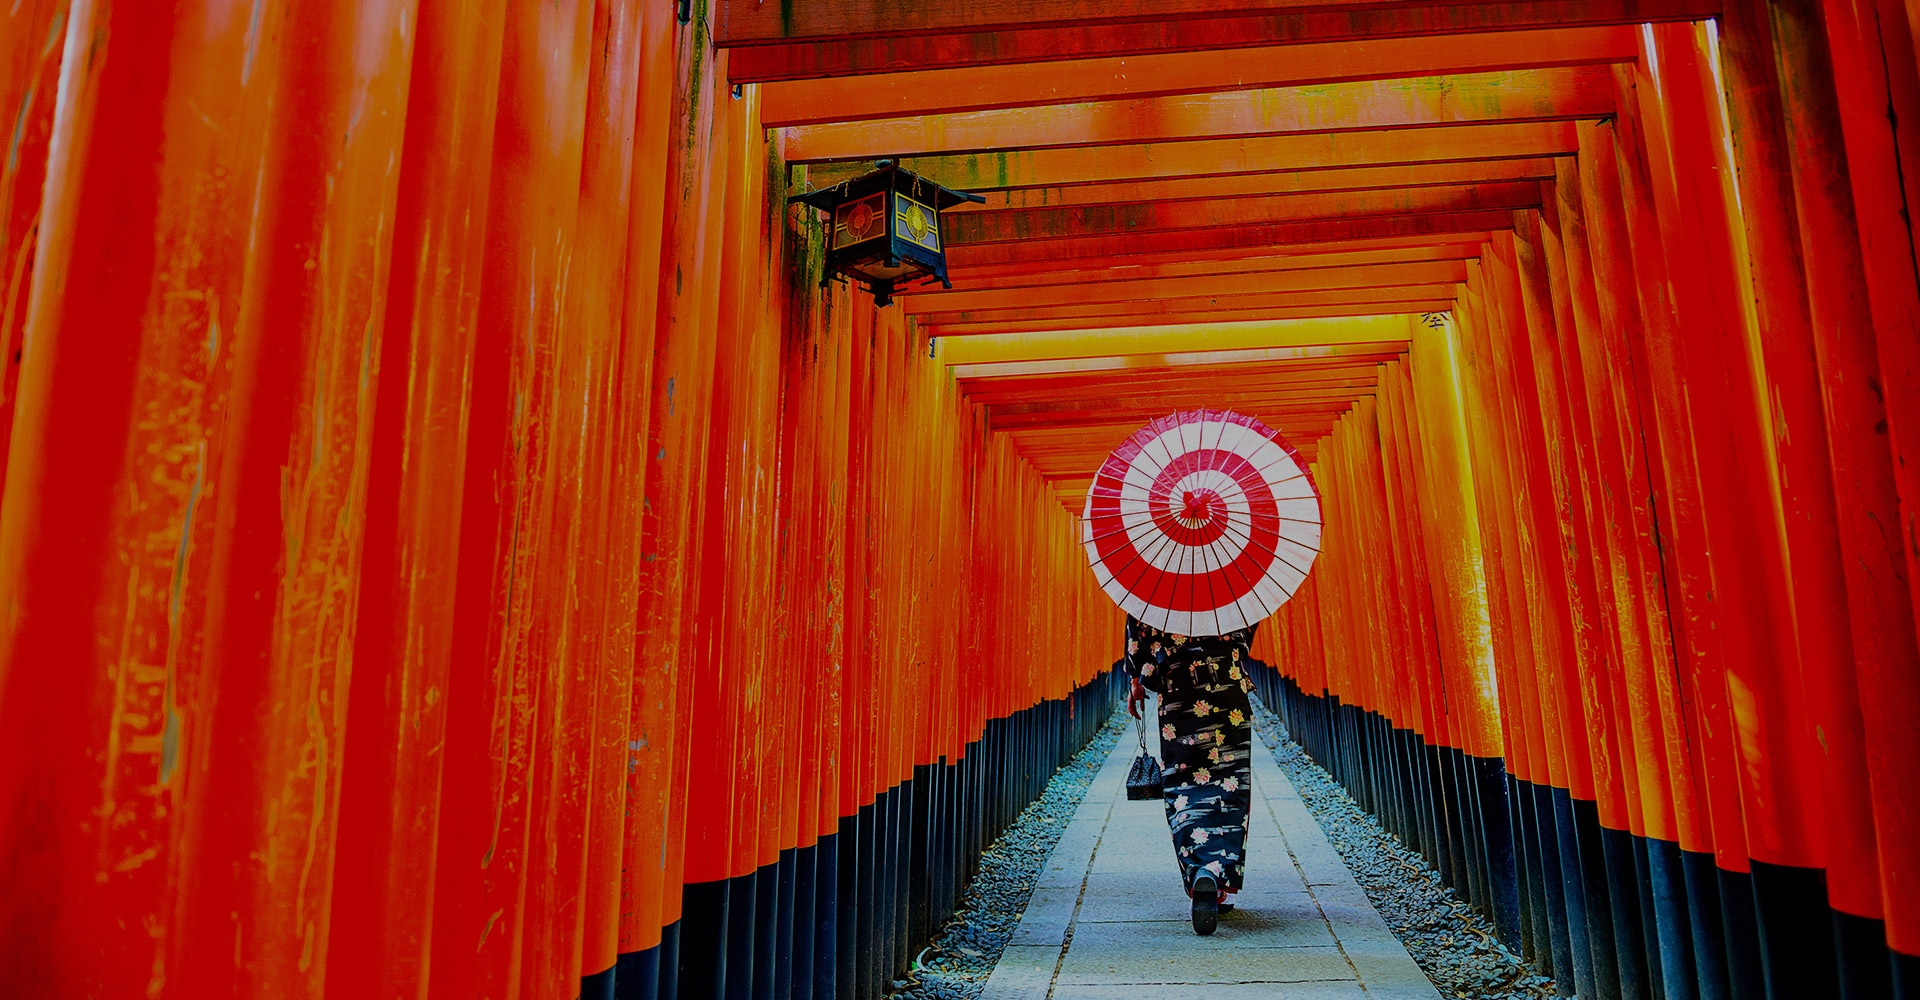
916,223
860,220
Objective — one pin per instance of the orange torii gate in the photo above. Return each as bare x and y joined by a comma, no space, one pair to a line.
450,547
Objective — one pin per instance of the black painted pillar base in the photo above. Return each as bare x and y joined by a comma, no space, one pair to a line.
1906,976
1860,952
670,960
1623,893
1599,899
1573,892
1503,881
637,975
839,919
1796,948
705,921
798,968
1673,930
847,909
1558,947
743,926
826,917
600,985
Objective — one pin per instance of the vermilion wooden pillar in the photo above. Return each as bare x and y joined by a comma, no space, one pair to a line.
684,407
1672,808
612,476
390,783
1691,945
31,40
1860,424
1599,439
1835,616
513,814
287,526
98,752
1642,804
1514,653
649,747
1560,651
1541,253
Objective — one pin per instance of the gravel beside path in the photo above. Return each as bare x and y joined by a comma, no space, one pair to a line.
1454,945
957,964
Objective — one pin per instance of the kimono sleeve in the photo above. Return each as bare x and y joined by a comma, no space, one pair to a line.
1146,654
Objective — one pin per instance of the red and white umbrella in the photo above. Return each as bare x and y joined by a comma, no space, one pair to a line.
1202,522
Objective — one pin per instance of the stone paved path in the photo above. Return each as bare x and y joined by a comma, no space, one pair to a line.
1108,918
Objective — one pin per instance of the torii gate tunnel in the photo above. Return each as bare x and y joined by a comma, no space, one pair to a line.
452,546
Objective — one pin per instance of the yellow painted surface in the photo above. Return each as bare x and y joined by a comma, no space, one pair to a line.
1181,338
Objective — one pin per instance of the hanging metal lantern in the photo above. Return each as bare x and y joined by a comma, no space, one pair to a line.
883,229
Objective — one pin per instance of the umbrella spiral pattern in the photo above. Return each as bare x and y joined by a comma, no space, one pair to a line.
1202,522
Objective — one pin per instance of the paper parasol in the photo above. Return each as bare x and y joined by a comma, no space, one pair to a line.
1202,522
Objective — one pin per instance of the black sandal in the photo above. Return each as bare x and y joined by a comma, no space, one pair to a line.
1206,904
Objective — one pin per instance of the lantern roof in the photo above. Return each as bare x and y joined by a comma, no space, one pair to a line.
886,174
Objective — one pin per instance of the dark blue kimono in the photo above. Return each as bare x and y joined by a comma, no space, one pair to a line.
1206,743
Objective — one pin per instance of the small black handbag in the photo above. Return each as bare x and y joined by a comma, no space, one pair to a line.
1143,778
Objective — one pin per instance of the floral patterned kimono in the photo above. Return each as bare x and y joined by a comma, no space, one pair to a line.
1206,743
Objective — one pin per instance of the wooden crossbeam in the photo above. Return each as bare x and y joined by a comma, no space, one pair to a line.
1083,462
1441,246
1237,154
1193,286
1339,179
1126,387
1065,438
1176,309
1025,371
1328,310
1120,402
1133,419
1557,94
1115,247
843,52
1080,461
1199,393
1200,396
1204,343
1152,217
1073,384
1244,267
1083,457
1089,388
746,22
1131,386
954,90
1128,281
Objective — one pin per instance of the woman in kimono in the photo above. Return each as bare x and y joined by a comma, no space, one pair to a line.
1206,749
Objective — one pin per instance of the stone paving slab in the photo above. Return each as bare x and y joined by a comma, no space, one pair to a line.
1238,930
1108,919
1217,991
1122,964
